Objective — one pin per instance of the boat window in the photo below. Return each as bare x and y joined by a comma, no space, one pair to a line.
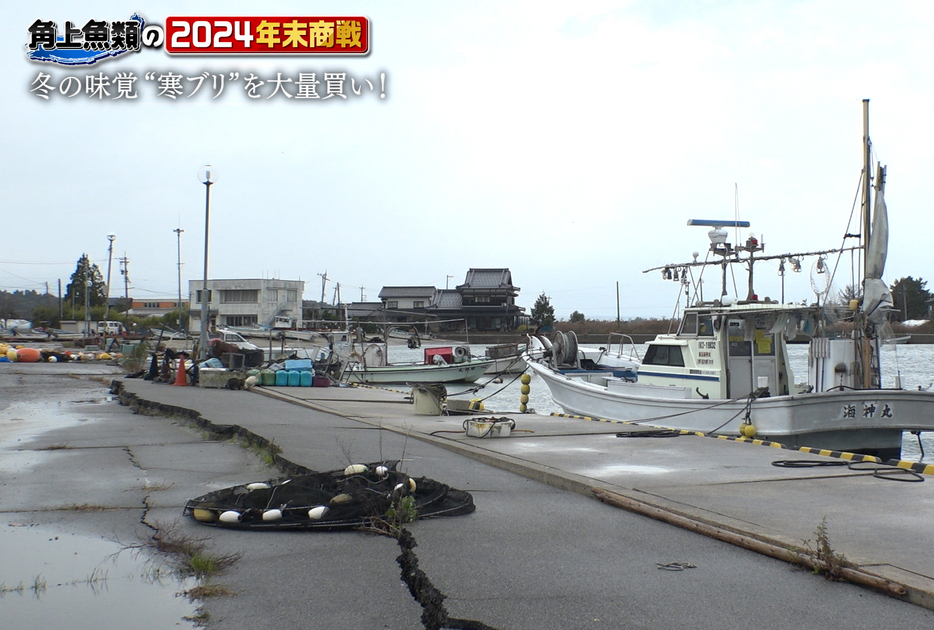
688,324
664,355
694,324
739,347
765,345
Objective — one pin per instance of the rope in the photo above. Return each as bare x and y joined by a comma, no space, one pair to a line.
880,471
661,433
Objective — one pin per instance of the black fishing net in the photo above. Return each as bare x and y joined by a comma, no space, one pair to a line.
339,499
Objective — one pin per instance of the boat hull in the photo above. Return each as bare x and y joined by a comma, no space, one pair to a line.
468,371
866,421
507,365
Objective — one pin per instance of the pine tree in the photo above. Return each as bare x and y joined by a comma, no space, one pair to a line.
543,312
78,286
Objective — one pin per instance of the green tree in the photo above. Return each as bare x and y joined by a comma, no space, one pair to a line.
85,272
849,292
543,312
577,317
910,298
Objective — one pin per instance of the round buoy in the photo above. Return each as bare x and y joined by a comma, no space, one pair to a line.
382,471
204,516
524,399
355,469
317,513
28,355
230,516
11,354
747,430
342,498
525,389
522,408
526,379
272,515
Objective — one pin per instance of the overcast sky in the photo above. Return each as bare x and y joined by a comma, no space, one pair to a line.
570,145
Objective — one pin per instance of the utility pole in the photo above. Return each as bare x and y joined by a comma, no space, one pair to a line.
110,256
324,281
178,232
362,295
124,263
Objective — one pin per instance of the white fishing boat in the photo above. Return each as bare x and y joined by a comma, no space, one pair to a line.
445,364
726,369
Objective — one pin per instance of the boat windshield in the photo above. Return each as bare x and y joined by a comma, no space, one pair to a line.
700,325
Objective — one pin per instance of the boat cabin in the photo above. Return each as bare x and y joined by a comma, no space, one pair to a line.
725,351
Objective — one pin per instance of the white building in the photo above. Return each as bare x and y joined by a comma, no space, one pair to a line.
246,302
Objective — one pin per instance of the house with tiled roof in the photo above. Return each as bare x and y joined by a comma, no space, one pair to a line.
486,300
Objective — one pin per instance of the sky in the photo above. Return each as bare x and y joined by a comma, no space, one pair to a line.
569,144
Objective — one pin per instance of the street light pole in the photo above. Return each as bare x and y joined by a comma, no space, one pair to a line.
178,232
207,175
87,305
110,256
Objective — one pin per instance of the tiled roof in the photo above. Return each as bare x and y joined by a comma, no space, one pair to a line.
405,292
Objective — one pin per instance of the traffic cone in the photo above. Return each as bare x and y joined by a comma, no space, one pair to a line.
180,377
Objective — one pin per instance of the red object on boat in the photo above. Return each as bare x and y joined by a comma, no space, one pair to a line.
446,354
28,355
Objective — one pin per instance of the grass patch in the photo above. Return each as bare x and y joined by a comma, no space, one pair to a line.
207,590
38,586
401,512
200,618
265,452
188,554
823,558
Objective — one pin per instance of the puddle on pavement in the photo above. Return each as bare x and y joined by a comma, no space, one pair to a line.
50,578
22,421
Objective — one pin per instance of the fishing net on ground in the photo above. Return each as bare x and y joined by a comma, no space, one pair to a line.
340,499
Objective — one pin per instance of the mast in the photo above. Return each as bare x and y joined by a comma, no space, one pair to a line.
867,182
862,327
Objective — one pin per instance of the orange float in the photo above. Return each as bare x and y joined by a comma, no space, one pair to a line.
28,355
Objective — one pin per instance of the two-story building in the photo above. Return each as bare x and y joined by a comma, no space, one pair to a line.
486,300
266,301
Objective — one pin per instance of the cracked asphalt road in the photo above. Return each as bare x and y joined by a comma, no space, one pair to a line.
531,556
